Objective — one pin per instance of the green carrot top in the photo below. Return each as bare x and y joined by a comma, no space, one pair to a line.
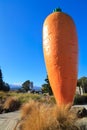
57,10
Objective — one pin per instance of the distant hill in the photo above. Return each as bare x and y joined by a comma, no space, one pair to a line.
37,88
16,87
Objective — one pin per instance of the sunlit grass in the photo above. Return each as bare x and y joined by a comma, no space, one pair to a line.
42,116
3,94
25,97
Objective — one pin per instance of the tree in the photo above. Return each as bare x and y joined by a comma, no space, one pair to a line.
1,80
46,88
3,86
82,82
79,85
26,85
6,87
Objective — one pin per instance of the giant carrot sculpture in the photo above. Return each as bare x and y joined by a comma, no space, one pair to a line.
60,47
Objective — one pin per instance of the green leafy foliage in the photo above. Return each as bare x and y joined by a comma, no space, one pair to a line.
80,100
82,82
3,86
1,80
46,88
26,85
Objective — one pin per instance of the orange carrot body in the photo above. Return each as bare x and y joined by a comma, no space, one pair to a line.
60,47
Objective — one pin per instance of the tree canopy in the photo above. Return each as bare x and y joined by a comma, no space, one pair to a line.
3,86
1,80
46,88
82,82
26,85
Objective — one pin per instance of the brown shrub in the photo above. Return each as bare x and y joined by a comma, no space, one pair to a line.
11,104
37,116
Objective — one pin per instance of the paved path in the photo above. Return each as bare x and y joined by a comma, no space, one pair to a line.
8,121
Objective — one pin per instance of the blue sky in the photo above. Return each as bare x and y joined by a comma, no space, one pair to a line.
21,21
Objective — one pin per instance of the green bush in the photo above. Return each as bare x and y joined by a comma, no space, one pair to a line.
80,100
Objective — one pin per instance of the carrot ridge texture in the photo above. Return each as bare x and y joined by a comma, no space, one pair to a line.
60,48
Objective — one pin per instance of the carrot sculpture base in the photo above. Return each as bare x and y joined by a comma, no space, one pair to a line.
60,47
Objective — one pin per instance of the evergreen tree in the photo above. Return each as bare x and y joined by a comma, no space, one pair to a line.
3,86
6,87
1,80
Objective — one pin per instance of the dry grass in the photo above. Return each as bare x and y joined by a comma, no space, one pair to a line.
25,97
27,108
38,116
11,104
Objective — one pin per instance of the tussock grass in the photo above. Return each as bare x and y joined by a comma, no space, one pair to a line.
27,108
41,116
11,104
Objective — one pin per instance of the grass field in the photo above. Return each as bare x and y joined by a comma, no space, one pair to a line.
25,97
39,112
11,101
